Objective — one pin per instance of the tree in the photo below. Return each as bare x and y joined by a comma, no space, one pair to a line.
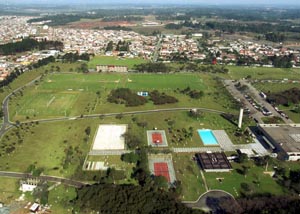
57,68
88,131
110,46
84,68
130,157
242,158
132,141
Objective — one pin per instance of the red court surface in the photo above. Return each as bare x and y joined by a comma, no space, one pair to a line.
161,169
157,138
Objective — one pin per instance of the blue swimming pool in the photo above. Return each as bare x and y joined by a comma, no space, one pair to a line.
207,137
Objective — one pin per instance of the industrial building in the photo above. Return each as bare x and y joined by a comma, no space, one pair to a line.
284,139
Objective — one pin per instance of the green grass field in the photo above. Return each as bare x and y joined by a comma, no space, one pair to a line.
114,161
231,181
275,87
110,60
239,72
59,199
188,173
73,94
9,190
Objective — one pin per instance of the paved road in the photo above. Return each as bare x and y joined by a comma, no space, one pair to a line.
157,48
123,113
239,96
254,113
65,181
7,124
255,93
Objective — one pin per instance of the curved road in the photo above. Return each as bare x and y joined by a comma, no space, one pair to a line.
7,124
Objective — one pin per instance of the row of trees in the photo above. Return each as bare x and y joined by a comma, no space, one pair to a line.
121,46
123,18
74,57
194,94
287,97
17,72
28,45
152,68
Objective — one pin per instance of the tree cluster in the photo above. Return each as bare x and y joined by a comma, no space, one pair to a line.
152,68
131,157
108,198
161,98
285,97
194,94
282,61
28,45
132,141
122,46
74,57
119,28
126,96
275,37
123,18
261,204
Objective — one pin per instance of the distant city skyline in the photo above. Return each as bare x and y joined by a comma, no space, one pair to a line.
201,2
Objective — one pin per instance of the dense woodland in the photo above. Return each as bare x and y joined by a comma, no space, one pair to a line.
109,198
28,45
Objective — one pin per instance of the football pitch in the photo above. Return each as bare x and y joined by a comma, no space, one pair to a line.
74,94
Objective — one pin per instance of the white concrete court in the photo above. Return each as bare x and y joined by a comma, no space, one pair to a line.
110,137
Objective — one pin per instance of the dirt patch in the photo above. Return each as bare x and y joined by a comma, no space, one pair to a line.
100,24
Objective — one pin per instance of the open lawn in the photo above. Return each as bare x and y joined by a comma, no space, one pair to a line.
275,87
61,147
231,181
111,60
59,199
58,148
239,72
114,161
9,190
188,173
74,94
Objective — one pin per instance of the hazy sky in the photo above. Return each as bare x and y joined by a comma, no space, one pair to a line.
210,2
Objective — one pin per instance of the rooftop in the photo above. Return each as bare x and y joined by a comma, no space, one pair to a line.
216,161
286,135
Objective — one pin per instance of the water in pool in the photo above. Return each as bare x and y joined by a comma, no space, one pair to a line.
207,137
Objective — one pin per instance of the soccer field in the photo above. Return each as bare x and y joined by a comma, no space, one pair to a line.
111,60
74,94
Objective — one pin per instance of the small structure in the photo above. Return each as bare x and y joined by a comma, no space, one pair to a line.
143,93
213,162
112,68
283,138
28,185
34,207
157,138
241,118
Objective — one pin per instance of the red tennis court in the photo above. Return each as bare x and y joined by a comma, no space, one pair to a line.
157,138
161,169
